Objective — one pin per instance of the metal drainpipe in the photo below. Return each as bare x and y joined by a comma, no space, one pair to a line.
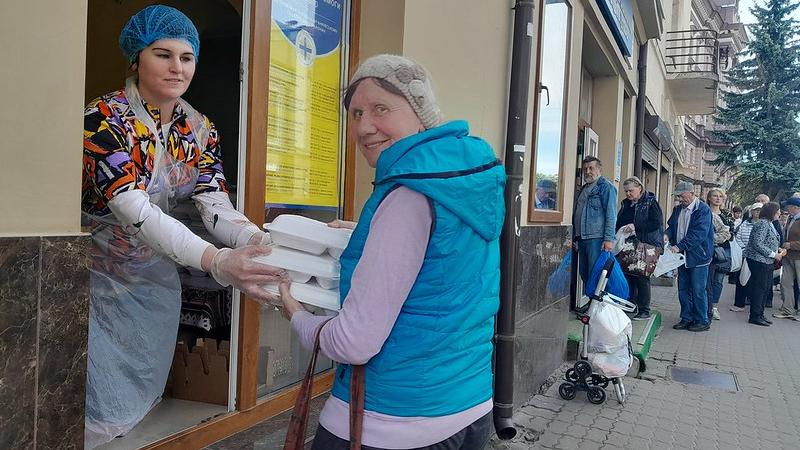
514,152
640,108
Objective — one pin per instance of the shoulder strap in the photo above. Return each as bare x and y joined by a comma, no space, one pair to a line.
296,433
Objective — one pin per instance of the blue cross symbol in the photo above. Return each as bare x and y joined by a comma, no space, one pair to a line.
303,45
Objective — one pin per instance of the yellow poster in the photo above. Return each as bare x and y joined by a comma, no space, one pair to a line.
304,101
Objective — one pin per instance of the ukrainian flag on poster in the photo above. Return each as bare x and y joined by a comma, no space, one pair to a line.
304,99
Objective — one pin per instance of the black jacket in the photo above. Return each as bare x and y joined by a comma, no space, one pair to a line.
646,217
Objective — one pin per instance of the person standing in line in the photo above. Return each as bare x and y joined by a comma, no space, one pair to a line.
763,250
722,234
641,214
594,216
742,237
690,232
791,263
764,199
737,216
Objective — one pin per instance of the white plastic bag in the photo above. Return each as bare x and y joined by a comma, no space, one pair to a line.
668,261
744,274
620,242
736,256
614,364
609,328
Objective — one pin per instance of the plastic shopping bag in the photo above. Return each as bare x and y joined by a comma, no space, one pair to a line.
620,242
744,274
559,282
736,256
609,328
614,364
617,284
668,261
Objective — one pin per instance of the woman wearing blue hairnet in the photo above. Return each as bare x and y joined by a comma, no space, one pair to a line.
145,148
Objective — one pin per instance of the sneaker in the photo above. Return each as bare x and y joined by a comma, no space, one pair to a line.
736,308
782,315
715,313
699,327
642,316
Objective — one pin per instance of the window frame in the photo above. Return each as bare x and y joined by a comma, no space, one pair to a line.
542,215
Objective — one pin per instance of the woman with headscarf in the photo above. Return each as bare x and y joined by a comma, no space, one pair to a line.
144,149
420,276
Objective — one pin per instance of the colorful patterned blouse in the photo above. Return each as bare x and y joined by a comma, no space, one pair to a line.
118,151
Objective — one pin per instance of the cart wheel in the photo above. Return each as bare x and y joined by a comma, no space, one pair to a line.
619,389
596,395
566,390
570,375
599,380
583,369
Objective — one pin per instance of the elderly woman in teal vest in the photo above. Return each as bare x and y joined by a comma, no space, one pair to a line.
420,277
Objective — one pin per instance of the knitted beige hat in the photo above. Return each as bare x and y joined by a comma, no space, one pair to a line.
410,78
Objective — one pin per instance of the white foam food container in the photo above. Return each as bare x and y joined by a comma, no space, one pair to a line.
308,235
311,294
302,266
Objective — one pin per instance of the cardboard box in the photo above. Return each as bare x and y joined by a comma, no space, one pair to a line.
202,374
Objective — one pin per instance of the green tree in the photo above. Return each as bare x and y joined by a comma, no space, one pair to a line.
761,107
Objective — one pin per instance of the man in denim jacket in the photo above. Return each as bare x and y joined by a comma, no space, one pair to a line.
690,232
594,216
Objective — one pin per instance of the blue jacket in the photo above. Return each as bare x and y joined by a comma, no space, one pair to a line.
698,244
437,360
599,215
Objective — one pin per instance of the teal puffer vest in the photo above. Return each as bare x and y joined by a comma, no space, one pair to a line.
437,359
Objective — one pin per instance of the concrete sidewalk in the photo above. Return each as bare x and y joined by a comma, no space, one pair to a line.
762,411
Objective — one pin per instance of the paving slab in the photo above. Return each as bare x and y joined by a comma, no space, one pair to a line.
663,413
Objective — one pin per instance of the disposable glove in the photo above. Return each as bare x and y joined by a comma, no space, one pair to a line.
236,267
260,238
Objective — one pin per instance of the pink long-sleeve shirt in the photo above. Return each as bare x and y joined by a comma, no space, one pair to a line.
391,260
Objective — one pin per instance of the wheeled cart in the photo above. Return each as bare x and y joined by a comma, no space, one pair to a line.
581,377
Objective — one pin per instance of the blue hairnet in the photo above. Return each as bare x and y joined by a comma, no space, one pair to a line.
153,23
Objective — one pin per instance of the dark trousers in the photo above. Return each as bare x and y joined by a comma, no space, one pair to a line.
714,287
473,437
740,295
760,281
639,292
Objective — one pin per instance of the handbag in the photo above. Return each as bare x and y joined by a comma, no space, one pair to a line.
298,423
722,258
638,258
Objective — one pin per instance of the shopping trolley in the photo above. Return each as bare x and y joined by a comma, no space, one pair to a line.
581,377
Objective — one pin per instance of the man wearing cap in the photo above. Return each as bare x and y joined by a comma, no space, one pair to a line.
791,263
594,218
545,191
690,232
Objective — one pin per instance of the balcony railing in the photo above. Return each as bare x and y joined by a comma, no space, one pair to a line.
691,52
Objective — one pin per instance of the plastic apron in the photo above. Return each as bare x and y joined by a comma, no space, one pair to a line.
135,299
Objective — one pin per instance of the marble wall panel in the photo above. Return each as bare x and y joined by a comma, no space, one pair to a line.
43,336
63,327
19,297
544,277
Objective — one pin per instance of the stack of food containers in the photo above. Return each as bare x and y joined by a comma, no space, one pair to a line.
309,251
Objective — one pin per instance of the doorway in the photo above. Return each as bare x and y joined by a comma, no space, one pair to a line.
206,344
